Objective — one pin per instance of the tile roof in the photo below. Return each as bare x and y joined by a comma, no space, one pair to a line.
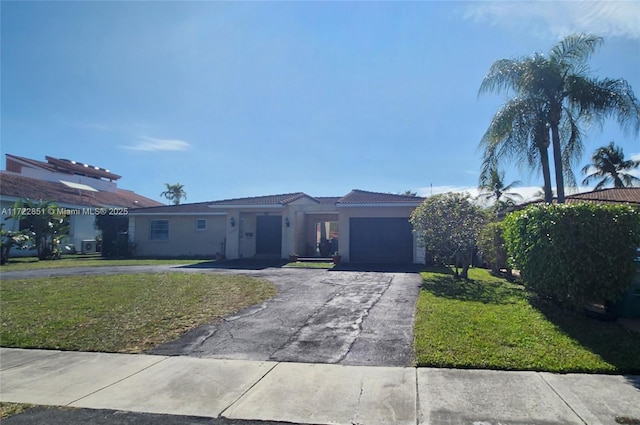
627,195
606,196
191,208
363,197
15,185
355,197
283,199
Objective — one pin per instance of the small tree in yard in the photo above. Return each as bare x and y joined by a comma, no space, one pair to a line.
46,222
448,225
12,238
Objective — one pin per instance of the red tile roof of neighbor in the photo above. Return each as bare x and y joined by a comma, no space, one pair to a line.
14,185
627,195
354,197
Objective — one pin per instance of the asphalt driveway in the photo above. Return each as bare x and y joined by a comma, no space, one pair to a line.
318,316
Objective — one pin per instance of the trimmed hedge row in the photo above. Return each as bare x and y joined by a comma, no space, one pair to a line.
574,253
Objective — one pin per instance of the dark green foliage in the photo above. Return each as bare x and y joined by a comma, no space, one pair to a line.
115,238
447,226
46,223
9,239
492,246
574,253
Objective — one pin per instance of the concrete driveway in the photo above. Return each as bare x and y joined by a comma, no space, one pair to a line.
318,316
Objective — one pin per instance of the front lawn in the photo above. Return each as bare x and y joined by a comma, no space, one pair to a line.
490,323
88,260
119,313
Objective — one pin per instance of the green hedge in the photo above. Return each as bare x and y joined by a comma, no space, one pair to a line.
574,253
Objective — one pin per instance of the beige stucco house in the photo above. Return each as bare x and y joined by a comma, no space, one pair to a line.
362,226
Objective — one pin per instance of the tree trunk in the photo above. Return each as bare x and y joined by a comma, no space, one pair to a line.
557,160
546,175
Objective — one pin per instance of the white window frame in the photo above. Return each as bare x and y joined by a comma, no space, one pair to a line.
201,229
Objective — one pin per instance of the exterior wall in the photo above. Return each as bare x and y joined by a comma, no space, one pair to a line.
82,227
184,239
47,175
383,211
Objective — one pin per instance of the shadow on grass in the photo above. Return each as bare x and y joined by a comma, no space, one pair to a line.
615,344
442,283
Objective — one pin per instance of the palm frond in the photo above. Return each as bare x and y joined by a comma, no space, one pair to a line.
576,48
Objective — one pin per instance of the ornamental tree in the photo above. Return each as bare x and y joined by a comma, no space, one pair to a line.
447,225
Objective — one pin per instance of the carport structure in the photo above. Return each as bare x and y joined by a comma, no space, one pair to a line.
362,226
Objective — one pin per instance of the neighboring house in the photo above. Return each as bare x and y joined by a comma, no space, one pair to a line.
610,196
362,226
76,187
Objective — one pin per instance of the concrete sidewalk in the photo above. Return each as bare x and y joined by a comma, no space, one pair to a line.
312,393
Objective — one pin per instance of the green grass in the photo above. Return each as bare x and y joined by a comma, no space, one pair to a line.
118,313
310,265
490,323
89,260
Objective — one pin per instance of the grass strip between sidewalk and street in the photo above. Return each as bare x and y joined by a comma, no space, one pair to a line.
489,323
128,313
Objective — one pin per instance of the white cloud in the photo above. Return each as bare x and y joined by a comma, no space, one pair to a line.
560,18
150,144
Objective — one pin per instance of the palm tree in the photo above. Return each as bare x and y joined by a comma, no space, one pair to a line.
519,131
568,94
610,166
494,187
174,193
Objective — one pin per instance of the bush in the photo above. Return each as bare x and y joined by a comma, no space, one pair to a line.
492,246
574,253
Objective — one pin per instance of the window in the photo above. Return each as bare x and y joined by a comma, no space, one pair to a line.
159,230
201,224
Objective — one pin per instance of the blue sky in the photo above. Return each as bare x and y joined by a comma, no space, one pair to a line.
244,99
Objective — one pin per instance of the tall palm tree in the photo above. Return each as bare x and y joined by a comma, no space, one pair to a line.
560,80
494,187
174,193
610,166
518,131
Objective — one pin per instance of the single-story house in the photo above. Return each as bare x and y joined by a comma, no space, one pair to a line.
362,226
76,187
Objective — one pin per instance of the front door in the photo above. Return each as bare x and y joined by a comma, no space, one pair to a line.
269,235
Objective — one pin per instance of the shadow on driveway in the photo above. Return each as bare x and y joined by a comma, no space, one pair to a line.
241,264
384,268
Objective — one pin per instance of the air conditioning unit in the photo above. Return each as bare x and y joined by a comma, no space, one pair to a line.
89,246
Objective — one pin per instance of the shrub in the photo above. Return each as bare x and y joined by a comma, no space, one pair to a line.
492,246
574,253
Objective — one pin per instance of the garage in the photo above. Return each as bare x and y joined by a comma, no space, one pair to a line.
380,240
